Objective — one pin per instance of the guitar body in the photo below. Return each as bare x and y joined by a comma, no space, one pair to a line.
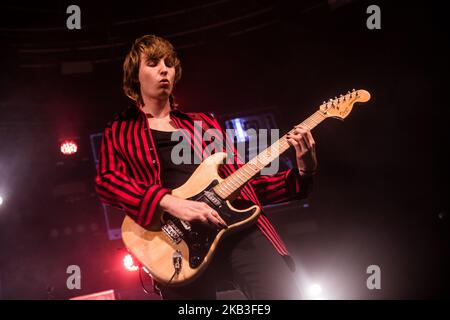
157,245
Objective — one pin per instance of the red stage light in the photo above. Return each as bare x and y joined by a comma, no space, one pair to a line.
129,263
69,147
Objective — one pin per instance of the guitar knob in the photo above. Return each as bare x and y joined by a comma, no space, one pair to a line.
194,260
194,235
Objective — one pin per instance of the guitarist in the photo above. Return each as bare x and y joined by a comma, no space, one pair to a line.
136,173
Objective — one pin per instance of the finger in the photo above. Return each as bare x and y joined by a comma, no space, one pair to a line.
306,141
300,139
295,144
300,131
217,217
300,128
213,219
310,139
303,130
294,135
203,219
303,145
214,214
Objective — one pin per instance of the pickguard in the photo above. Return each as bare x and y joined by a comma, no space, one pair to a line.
198,236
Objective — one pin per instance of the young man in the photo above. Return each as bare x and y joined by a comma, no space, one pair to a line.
136,173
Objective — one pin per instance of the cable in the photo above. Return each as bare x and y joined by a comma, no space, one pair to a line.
156,289
142,281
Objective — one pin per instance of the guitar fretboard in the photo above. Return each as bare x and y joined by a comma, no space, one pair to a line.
238,178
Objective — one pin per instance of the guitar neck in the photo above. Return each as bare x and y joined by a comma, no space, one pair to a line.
238,178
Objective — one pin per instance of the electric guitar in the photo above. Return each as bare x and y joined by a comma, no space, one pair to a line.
175,252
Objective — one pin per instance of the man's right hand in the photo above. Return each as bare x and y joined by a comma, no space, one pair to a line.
189,210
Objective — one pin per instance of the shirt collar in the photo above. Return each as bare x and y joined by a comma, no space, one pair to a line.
173,112
177,112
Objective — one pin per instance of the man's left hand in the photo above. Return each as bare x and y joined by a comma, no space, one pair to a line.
305,149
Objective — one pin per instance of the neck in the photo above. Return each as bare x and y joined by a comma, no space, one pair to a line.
237,179
156,108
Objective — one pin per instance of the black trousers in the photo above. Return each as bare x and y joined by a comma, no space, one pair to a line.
250,262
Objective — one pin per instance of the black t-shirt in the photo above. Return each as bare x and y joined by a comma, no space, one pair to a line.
172,175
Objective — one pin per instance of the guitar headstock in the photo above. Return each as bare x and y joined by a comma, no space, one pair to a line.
340,107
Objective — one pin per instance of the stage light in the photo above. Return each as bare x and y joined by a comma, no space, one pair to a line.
314,291
129,264
238,125
68,147
1,200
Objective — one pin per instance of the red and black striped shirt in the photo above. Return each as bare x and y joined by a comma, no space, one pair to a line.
128,174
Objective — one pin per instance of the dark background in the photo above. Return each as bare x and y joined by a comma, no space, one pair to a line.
381,193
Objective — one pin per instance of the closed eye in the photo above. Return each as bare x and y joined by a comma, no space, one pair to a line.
152,62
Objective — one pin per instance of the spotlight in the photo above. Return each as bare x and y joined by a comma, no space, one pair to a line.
239,125
1,200
314,291
129,264
68,147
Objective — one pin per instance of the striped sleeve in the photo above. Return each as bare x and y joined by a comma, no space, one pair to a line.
281,187
115,187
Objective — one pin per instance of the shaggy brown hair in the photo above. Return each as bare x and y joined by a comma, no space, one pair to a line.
153,47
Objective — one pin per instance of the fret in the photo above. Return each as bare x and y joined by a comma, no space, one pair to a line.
240,180
232,183
238,177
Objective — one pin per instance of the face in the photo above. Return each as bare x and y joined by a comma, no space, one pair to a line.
156,77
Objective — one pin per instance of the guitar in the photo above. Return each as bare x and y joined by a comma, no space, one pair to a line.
175,252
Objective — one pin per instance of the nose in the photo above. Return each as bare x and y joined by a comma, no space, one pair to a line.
163,68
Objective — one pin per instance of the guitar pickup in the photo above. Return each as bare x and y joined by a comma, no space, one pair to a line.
211,196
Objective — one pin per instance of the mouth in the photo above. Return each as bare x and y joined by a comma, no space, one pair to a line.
164,81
